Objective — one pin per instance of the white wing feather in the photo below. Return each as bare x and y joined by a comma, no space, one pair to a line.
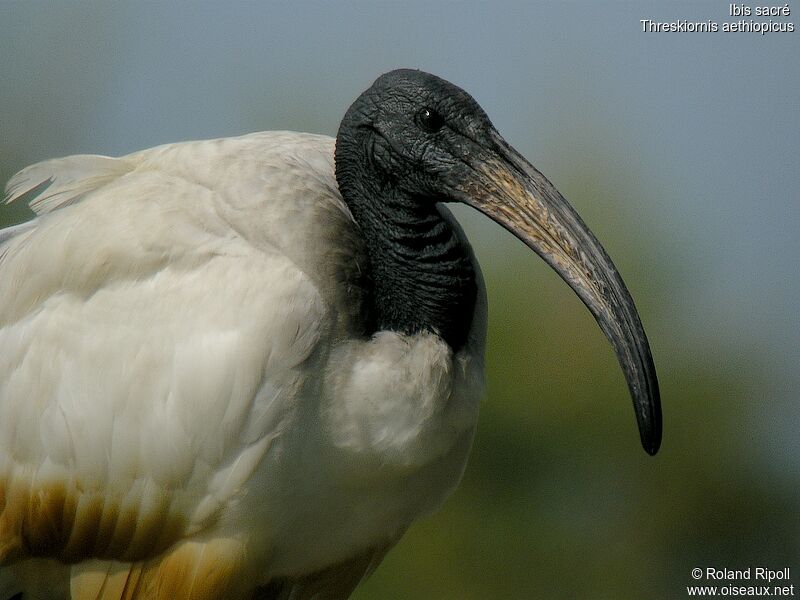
150,349
68,180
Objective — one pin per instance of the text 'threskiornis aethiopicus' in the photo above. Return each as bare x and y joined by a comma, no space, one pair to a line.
241,368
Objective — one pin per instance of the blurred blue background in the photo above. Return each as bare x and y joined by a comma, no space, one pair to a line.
680,150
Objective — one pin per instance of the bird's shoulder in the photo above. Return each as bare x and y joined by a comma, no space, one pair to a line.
106,219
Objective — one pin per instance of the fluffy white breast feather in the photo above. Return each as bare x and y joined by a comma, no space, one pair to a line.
187,409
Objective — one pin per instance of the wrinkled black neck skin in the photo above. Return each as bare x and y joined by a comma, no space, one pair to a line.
421,273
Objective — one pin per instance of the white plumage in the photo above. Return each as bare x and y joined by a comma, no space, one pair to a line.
180,387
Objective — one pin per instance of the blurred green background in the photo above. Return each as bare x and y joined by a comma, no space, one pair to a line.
681,151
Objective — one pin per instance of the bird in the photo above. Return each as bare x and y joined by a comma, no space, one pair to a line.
242,368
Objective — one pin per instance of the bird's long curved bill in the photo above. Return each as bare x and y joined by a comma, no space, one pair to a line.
512,192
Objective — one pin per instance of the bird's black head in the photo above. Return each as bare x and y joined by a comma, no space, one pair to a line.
413,139
412,132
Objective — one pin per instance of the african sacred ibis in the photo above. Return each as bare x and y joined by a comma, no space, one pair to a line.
241,368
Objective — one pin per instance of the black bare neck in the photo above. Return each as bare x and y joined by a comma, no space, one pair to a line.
422,274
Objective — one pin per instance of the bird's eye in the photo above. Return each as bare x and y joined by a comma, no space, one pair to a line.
429,120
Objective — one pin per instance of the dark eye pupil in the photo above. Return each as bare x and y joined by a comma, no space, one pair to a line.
430,120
